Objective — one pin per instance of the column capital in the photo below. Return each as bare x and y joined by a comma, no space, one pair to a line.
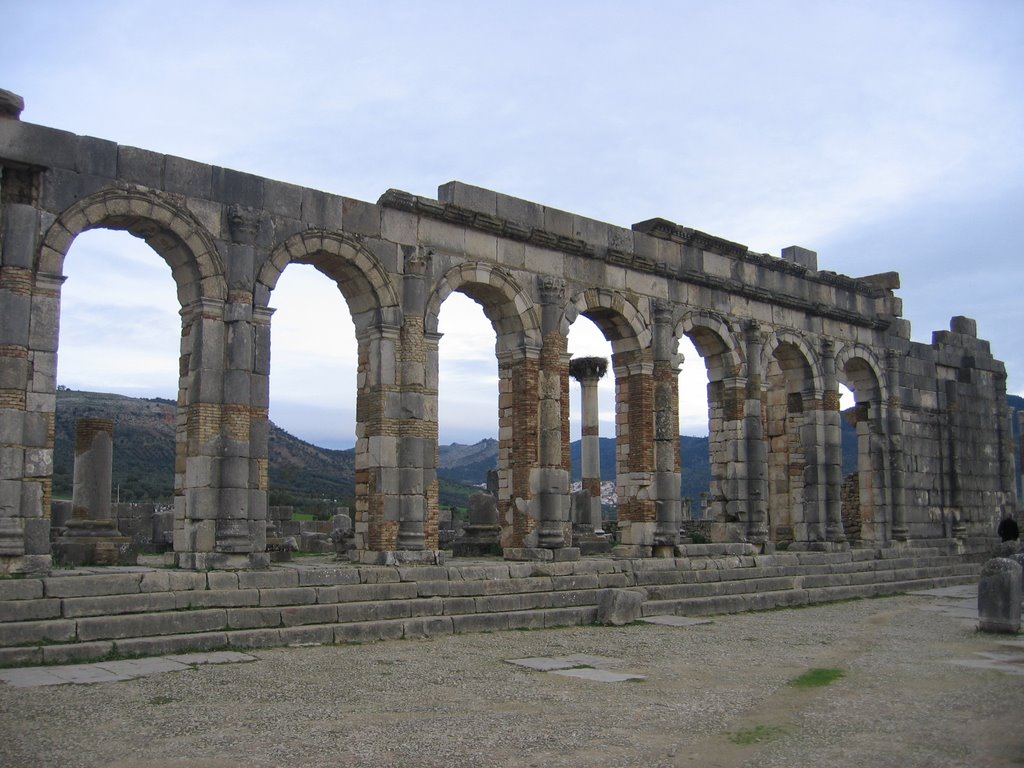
551,289
585,369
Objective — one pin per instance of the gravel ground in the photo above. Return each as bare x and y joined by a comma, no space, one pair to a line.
714,695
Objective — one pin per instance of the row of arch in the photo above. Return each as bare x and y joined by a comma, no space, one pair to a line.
737,356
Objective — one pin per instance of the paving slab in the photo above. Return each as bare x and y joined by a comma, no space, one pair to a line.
1007,663
598,675
116,671
669,620
140,667
551,663
957,591
213,657
30,677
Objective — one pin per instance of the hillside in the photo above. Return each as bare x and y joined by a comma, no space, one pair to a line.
306,476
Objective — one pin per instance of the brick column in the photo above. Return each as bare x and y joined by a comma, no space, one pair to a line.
754,447
634,404
832,449
518,446
897,473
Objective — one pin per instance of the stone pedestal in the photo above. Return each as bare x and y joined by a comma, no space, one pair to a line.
999,590
482,536
91,536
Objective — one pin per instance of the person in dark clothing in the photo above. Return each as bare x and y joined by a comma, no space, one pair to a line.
1008,529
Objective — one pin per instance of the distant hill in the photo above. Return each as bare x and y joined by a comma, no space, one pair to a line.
313,478
301,474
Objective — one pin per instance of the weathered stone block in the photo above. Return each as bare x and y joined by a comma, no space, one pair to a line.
618,607
999,594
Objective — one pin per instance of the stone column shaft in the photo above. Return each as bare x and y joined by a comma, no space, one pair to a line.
553,477
588,372
896,458
93,469
833,451
755,449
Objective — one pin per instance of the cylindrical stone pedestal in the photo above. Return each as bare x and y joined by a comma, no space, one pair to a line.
92,537
94,467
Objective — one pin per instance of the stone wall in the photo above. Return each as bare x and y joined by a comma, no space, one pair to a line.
777,336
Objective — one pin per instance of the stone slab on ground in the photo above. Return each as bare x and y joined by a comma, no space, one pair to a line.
598,675
577,660
115,671
670,620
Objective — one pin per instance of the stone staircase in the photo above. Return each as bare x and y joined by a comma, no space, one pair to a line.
90,614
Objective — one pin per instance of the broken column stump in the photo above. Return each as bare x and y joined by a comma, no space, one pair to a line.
91,536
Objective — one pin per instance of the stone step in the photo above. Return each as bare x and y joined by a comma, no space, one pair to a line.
754,601
76,617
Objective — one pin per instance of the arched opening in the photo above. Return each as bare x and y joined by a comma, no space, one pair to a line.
119,348
467,408
591,433
795,512
699,410
864,459
311,439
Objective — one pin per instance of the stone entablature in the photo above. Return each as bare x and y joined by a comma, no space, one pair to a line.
776,335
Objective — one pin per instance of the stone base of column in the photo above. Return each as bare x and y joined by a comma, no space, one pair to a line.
222,561
818,546
398,557
478,541
94,542
632,551
540,554
28,565
590,542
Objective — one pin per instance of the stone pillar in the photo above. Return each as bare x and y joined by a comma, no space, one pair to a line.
418,443
93,469
954,443
667,463
518,446
634,451
897,473
999,593
91,536
28,343
755,449
588,372
833,451
1020,424
552,474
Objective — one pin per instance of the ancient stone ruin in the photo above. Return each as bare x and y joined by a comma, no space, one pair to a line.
777,335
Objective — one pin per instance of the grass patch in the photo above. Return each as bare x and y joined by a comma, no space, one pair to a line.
817,677
759,734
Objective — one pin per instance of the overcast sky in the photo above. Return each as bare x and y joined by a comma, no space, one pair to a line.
883,135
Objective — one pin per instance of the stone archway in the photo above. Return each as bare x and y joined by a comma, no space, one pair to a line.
630,333
794,432
374,303
865,503
516,322
203,415
715,342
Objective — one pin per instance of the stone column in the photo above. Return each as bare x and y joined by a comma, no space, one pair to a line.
897,474
833,451
91,536
28,344
755,449
518,447
552,475
588,372
418,433
667,463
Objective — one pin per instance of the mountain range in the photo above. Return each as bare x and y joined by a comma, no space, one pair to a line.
307,476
